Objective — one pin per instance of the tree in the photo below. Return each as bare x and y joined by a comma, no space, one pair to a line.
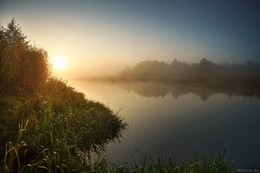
22,66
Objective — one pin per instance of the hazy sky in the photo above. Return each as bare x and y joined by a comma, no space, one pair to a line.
105,36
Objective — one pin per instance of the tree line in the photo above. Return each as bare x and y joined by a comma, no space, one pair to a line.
204,71
23,67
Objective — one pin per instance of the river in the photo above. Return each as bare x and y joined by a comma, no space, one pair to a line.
184,123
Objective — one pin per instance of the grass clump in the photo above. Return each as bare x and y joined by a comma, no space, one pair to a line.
215,164
58,128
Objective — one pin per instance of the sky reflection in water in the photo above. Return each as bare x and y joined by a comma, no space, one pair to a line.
180,123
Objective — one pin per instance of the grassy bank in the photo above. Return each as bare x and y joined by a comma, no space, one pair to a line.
57,128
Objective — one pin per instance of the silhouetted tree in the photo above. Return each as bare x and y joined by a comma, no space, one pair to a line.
22,66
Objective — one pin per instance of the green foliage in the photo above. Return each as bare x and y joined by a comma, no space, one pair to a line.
215,164
58,128
84,163
22,66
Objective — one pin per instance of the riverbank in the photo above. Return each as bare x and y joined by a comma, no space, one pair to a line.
56,128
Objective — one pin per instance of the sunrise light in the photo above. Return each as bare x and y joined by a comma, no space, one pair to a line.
59,62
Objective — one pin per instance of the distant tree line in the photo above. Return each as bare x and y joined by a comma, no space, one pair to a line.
23,67
204,71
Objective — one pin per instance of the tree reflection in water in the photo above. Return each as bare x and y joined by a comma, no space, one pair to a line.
204,91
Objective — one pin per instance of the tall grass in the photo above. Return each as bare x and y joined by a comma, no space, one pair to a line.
51,162
58,128
218,163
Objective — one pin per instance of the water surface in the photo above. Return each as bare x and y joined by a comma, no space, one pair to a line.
186,123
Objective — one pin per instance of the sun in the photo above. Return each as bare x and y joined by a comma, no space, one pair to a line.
59,62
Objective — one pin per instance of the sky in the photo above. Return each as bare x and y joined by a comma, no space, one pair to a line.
103,37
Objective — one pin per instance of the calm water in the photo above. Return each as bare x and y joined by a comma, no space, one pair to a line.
170,120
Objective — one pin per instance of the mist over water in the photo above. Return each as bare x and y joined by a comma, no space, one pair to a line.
184,122
184,77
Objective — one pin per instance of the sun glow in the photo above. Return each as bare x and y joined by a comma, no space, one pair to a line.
59,62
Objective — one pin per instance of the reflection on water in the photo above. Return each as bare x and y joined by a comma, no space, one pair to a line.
184,126
149,89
